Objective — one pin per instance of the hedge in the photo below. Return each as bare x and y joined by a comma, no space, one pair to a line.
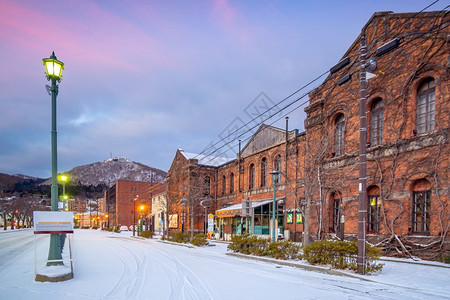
254,245
341,255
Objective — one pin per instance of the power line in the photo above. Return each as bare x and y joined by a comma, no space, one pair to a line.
256,124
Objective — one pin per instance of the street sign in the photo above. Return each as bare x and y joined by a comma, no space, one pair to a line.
52,222
246,208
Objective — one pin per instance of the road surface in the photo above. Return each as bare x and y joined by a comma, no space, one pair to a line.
118,266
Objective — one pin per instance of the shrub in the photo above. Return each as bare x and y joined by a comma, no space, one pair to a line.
283,250
180,237
254,245
199,240
341,255
148,234
447,259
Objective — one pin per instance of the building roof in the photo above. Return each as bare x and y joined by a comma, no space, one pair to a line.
207,160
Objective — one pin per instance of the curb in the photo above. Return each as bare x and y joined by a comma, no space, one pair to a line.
176,244
415,263
299,266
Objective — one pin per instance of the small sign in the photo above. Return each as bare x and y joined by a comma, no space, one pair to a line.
173,221
53,222
289,218
210,223
299,218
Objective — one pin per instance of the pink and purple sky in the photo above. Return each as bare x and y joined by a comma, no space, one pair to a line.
144,78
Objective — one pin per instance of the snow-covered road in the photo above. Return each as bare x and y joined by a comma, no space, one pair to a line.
117,266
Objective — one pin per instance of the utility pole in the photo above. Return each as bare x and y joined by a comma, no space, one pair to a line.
362,211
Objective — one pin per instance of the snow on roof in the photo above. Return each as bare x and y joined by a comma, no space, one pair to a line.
254,204
206,160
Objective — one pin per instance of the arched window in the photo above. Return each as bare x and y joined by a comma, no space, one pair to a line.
207,185
263,172
421,206
339,130
224,184
277,163
425,116
336,212
376,122
251,177
232,183
374,208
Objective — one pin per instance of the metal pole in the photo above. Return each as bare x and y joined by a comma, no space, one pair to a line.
362,212
55,248
134,210
182,219
274,179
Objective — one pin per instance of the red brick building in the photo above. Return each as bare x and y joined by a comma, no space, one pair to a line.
123,201
407,147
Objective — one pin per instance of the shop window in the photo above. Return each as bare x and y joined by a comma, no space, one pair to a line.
251,177
425,113
263,172
376,122
339,134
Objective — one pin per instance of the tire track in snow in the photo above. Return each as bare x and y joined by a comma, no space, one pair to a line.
131,282
187,284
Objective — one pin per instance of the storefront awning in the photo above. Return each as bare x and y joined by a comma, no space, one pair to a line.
236,209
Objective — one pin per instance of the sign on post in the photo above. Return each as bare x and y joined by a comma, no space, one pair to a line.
47,222
246,208
210,225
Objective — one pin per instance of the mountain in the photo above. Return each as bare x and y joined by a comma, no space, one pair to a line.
109,171
17,182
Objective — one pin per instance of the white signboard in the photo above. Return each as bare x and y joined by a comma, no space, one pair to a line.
53,222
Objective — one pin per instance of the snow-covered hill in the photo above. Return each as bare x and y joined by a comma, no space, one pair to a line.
109,171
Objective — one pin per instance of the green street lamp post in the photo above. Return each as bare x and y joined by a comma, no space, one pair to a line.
53,69
275,181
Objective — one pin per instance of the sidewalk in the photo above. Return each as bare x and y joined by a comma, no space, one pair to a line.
397,272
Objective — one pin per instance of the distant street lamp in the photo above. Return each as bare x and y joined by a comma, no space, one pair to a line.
53,70
63,178
141,209
183,203
275,181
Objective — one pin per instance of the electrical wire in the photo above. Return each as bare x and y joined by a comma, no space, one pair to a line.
253,121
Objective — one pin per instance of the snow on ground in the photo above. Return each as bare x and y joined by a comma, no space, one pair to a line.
118,266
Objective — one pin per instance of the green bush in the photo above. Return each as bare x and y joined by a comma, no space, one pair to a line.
341,255
254,245
283,250
199,240
180,237
148,234
447,259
